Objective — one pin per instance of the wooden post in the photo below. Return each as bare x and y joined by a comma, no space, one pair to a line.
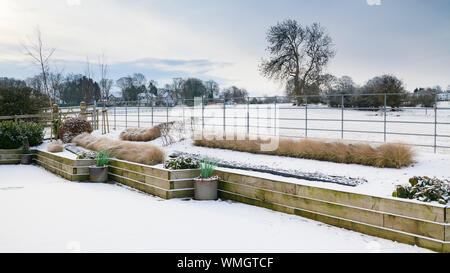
83,110
55,114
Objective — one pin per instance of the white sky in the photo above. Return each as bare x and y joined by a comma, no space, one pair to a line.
225,40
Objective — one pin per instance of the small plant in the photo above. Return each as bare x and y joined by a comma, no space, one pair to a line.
182,162
206,168
25,146
425,189
56,124
103,158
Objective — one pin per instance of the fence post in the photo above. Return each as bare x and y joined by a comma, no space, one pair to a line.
203,116
342,116
224,117
152,111
435,123
385,106
94,115
275,117
306,117
167,111
83,110
248,116
257,120
115,127
126,114
139,118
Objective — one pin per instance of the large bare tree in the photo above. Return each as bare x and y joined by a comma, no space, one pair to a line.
41,55
298,54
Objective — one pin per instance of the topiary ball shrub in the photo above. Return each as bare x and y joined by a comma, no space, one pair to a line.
13,133
72,127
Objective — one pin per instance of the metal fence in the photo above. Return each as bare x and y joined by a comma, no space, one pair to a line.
369,117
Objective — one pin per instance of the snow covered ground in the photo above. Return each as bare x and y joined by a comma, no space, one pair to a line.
41,212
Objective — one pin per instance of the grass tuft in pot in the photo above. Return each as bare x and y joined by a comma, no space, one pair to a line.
205,186
99,172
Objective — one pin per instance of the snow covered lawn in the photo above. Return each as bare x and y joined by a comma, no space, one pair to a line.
41,212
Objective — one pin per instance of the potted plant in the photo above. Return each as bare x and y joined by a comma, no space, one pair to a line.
205,186
99,172
26,157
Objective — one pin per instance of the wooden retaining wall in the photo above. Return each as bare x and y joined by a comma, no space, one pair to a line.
161,182
70,169
10,156
405,221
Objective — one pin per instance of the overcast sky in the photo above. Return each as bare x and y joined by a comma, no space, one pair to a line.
225,40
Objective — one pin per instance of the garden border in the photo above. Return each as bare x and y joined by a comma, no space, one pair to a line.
407,221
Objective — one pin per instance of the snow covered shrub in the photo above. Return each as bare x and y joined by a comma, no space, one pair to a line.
72,127
425,189
12,134
181,162
135,152
140,134
55,147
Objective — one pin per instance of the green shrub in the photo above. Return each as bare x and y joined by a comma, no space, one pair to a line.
10,135
181,162
13,133
425,189
33,131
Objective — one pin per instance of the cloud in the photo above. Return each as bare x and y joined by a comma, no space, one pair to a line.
373,2
72,3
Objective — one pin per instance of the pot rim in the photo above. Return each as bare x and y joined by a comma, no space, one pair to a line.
209,179
98,167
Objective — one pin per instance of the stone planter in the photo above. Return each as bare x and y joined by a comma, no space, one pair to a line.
206,188
26,159
98,174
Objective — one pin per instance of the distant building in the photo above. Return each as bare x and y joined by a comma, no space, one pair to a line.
444,95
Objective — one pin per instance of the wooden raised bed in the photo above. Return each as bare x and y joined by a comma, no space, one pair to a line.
10,156
422,224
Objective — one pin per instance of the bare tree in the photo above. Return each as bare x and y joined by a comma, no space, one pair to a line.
41,56
56,80
105,84
298,54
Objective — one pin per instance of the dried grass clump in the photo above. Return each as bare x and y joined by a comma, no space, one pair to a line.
135,152
392,155
55,147
140,134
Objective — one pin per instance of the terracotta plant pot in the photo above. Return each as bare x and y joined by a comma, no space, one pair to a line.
98,174
26,159
206,188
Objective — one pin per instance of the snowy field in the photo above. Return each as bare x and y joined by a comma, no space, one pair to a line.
323,122
42,212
